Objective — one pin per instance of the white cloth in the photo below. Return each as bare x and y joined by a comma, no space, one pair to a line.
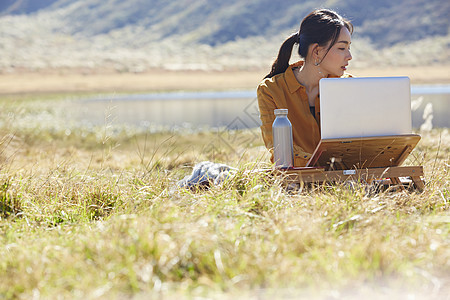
206,173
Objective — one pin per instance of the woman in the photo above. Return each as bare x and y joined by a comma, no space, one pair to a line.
324,44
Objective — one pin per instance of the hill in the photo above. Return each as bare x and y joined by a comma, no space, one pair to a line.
213,22
202,32
23,6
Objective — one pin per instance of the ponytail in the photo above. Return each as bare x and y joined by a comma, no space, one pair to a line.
281,64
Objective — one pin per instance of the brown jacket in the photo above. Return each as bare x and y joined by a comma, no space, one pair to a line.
284,91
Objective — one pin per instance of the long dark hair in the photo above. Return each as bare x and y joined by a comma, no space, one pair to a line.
321,26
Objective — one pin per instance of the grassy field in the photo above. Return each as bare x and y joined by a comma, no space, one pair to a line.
61,81
95,212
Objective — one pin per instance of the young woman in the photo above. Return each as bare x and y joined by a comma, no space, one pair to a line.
324,44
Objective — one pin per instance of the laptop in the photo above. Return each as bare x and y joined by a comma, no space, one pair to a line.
365,122
363,107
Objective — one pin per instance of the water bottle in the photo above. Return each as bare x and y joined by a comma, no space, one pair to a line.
283,151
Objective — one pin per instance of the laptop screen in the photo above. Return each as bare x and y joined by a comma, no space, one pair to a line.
365,107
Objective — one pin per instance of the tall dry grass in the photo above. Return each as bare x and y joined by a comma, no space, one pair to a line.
95,213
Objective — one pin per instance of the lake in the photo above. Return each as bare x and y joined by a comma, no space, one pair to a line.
226,109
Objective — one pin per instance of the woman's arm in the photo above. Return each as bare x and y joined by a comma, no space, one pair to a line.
266,105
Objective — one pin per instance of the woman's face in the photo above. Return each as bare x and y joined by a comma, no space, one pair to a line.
336,60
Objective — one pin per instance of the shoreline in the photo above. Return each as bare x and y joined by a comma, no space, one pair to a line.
97,81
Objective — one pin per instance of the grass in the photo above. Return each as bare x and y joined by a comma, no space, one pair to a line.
96,214
156,80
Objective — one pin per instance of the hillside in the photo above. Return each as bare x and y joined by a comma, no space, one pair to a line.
214,22
208,33
23,6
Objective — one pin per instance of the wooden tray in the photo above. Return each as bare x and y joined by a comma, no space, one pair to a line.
365,152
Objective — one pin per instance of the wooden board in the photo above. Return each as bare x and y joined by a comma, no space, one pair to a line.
319,175
392,174
365,152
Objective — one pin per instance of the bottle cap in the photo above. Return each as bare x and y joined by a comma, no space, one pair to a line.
280,111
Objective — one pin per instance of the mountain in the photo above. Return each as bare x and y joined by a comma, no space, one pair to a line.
213,22
23,6
189,31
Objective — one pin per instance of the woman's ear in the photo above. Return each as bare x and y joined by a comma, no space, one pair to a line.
314,50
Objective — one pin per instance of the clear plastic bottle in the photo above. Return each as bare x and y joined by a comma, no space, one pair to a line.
283,152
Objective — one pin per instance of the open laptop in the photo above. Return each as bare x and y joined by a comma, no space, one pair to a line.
365,122
363,107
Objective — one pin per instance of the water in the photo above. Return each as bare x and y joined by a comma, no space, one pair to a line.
434,108
230,109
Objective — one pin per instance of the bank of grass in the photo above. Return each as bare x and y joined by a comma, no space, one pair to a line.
95,213
157,80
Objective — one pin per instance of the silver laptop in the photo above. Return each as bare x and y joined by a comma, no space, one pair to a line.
365,107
